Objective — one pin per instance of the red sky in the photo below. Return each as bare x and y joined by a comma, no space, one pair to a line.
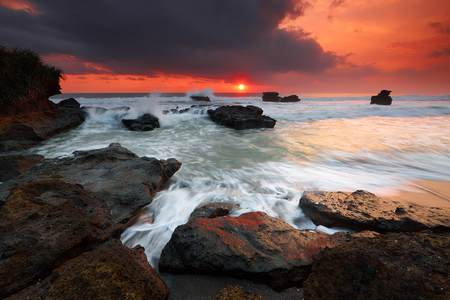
322,46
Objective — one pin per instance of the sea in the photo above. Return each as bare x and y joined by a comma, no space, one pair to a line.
332,142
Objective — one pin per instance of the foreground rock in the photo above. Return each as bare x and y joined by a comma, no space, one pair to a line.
240,117
382,98
362,210
236,292
12,166
116,175
391,266
146,122
42,225
252,246
273,97
111,271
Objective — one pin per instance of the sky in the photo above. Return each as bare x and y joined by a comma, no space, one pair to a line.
288,46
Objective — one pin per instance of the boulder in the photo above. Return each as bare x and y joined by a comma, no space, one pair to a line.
12,166
240,117
362,210
110,271
252,246
145,122
236,292
194,109
273,97
71,102
116,175
291,98
201,98
392,266
42,225
382,98
213,210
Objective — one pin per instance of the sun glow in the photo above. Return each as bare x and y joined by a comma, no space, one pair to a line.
241,87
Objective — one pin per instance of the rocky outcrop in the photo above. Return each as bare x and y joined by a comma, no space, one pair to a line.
194,109
273,97
110,271
12,166
382,98
392,266
253,246
42,225
236,292
116,175
213,210
362,210
240,117
146,122
201,98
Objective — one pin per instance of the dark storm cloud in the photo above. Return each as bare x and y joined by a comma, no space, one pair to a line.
198,37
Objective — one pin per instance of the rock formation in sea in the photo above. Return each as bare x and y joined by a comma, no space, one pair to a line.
240,117
146,122
27,116
382,98
273,97
201,98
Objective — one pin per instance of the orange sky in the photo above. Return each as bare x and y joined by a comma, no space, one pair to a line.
400,45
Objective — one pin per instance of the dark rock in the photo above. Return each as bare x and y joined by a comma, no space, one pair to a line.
273,97
362,210
236,292
392,266
240,117
145,122
252,246
212,210
71,102
116,175
42,225
194,109
382,98
291,98
201,98
14,165
111,271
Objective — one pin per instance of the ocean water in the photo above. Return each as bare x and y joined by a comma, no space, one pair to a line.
323,142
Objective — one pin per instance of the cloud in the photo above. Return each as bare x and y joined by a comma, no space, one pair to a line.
135,79
440,27
203,38
439,53
20,5
335,4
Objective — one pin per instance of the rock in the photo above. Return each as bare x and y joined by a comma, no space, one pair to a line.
240,117
391,266
273,97
42,225
252,246
362,210
213,210
382,98
116,175
201,98
236,292
111,271
71,102
12,166
145,122
194,109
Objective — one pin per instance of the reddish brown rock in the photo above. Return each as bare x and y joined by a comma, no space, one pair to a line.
111,271
393,266
213,210
253,246
236,292
362,210
14,165
42,225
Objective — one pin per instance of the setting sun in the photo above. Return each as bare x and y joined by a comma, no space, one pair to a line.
241,86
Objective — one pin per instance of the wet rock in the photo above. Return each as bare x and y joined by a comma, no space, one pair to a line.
291,98
12,166
146,122
273,97
42,225
194,109
391,266
111,271
362,210
382,98
252,246
240,117
116,175
71,102
201,98
236,292
212,210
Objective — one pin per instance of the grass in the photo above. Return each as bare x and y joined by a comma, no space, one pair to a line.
23,75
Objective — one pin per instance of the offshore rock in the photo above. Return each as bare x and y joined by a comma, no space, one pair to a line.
240,117
252,246
42,225
194,109
115,174
110,271
273,97
201,98
146,122
392,266
382,98
12,166
362,210
71,102
291,98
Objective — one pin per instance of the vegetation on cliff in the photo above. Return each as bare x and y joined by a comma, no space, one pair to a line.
24,76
